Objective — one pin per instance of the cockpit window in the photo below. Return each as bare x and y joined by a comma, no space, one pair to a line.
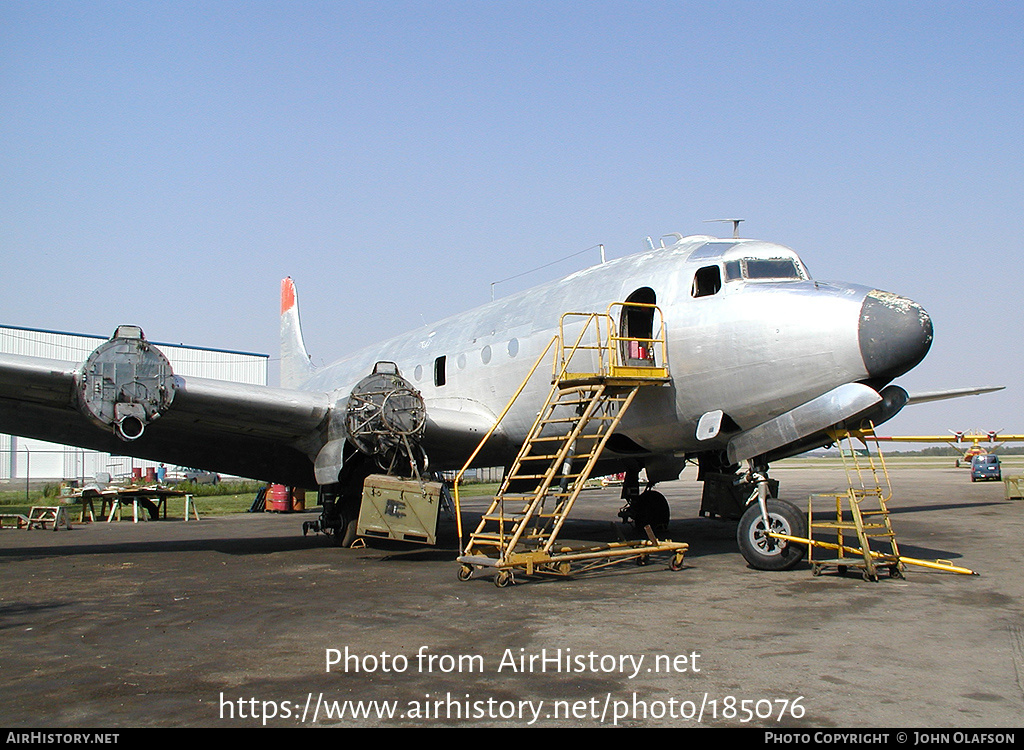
762,268
776,268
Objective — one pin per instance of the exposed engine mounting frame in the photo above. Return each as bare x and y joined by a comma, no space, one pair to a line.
386,418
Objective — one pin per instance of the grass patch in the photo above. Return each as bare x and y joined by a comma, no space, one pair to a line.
223,498
476,489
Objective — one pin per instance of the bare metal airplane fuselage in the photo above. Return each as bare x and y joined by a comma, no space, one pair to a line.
762,362
753,342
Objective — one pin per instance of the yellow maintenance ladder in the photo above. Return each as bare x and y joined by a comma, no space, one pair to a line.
594,381
865,516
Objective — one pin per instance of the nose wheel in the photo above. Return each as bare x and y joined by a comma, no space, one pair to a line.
762,551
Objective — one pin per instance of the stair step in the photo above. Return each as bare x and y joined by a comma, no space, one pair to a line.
519,516
846,525
555,429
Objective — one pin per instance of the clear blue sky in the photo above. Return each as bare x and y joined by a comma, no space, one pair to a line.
166,164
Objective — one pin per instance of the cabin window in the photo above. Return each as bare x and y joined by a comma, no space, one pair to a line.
733,270
439,371
707,281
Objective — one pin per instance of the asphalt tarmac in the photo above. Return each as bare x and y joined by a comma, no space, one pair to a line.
241,621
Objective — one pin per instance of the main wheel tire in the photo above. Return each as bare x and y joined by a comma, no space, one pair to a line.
763,552
650,508
347,532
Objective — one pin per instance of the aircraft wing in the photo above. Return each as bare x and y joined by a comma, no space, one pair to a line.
926,396
993,437
246,430
917,438
921,398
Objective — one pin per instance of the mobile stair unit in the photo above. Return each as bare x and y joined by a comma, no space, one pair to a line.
860,517
595,379
866,515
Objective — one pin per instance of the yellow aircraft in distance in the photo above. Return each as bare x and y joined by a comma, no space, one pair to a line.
958,440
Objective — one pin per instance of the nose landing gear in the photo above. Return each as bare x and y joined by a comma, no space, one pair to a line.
766,514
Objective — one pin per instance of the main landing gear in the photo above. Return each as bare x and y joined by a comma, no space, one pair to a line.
340,515
643,509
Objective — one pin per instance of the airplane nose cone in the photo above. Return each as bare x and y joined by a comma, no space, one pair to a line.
895,334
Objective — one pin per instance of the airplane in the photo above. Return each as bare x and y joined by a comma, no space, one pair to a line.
763,362
955,440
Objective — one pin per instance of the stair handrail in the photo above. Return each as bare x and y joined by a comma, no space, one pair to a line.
490,432
654,342
558,374
561,373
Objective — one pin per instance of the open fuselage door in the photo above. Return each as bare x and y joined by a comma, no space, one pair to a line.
636,328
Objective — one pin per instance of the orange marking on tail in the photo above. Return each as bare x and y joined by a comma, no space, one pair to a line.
287,294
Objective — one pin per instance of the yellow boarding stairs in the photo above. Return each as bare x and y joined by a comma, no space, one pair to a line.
519,530
865,517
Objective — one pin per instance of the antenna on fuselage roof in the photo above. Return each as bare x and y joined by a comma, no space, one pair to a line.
735,225
516,276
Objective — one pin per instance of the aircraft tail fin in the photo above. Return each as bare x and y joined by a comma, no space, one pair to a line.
296,365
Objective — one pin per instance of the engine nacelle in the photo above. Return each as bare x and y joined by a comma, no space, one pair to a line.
383,418
384,410
126,383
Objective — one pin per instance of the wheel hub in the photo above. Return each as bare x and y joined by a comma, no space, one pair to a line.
766,544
